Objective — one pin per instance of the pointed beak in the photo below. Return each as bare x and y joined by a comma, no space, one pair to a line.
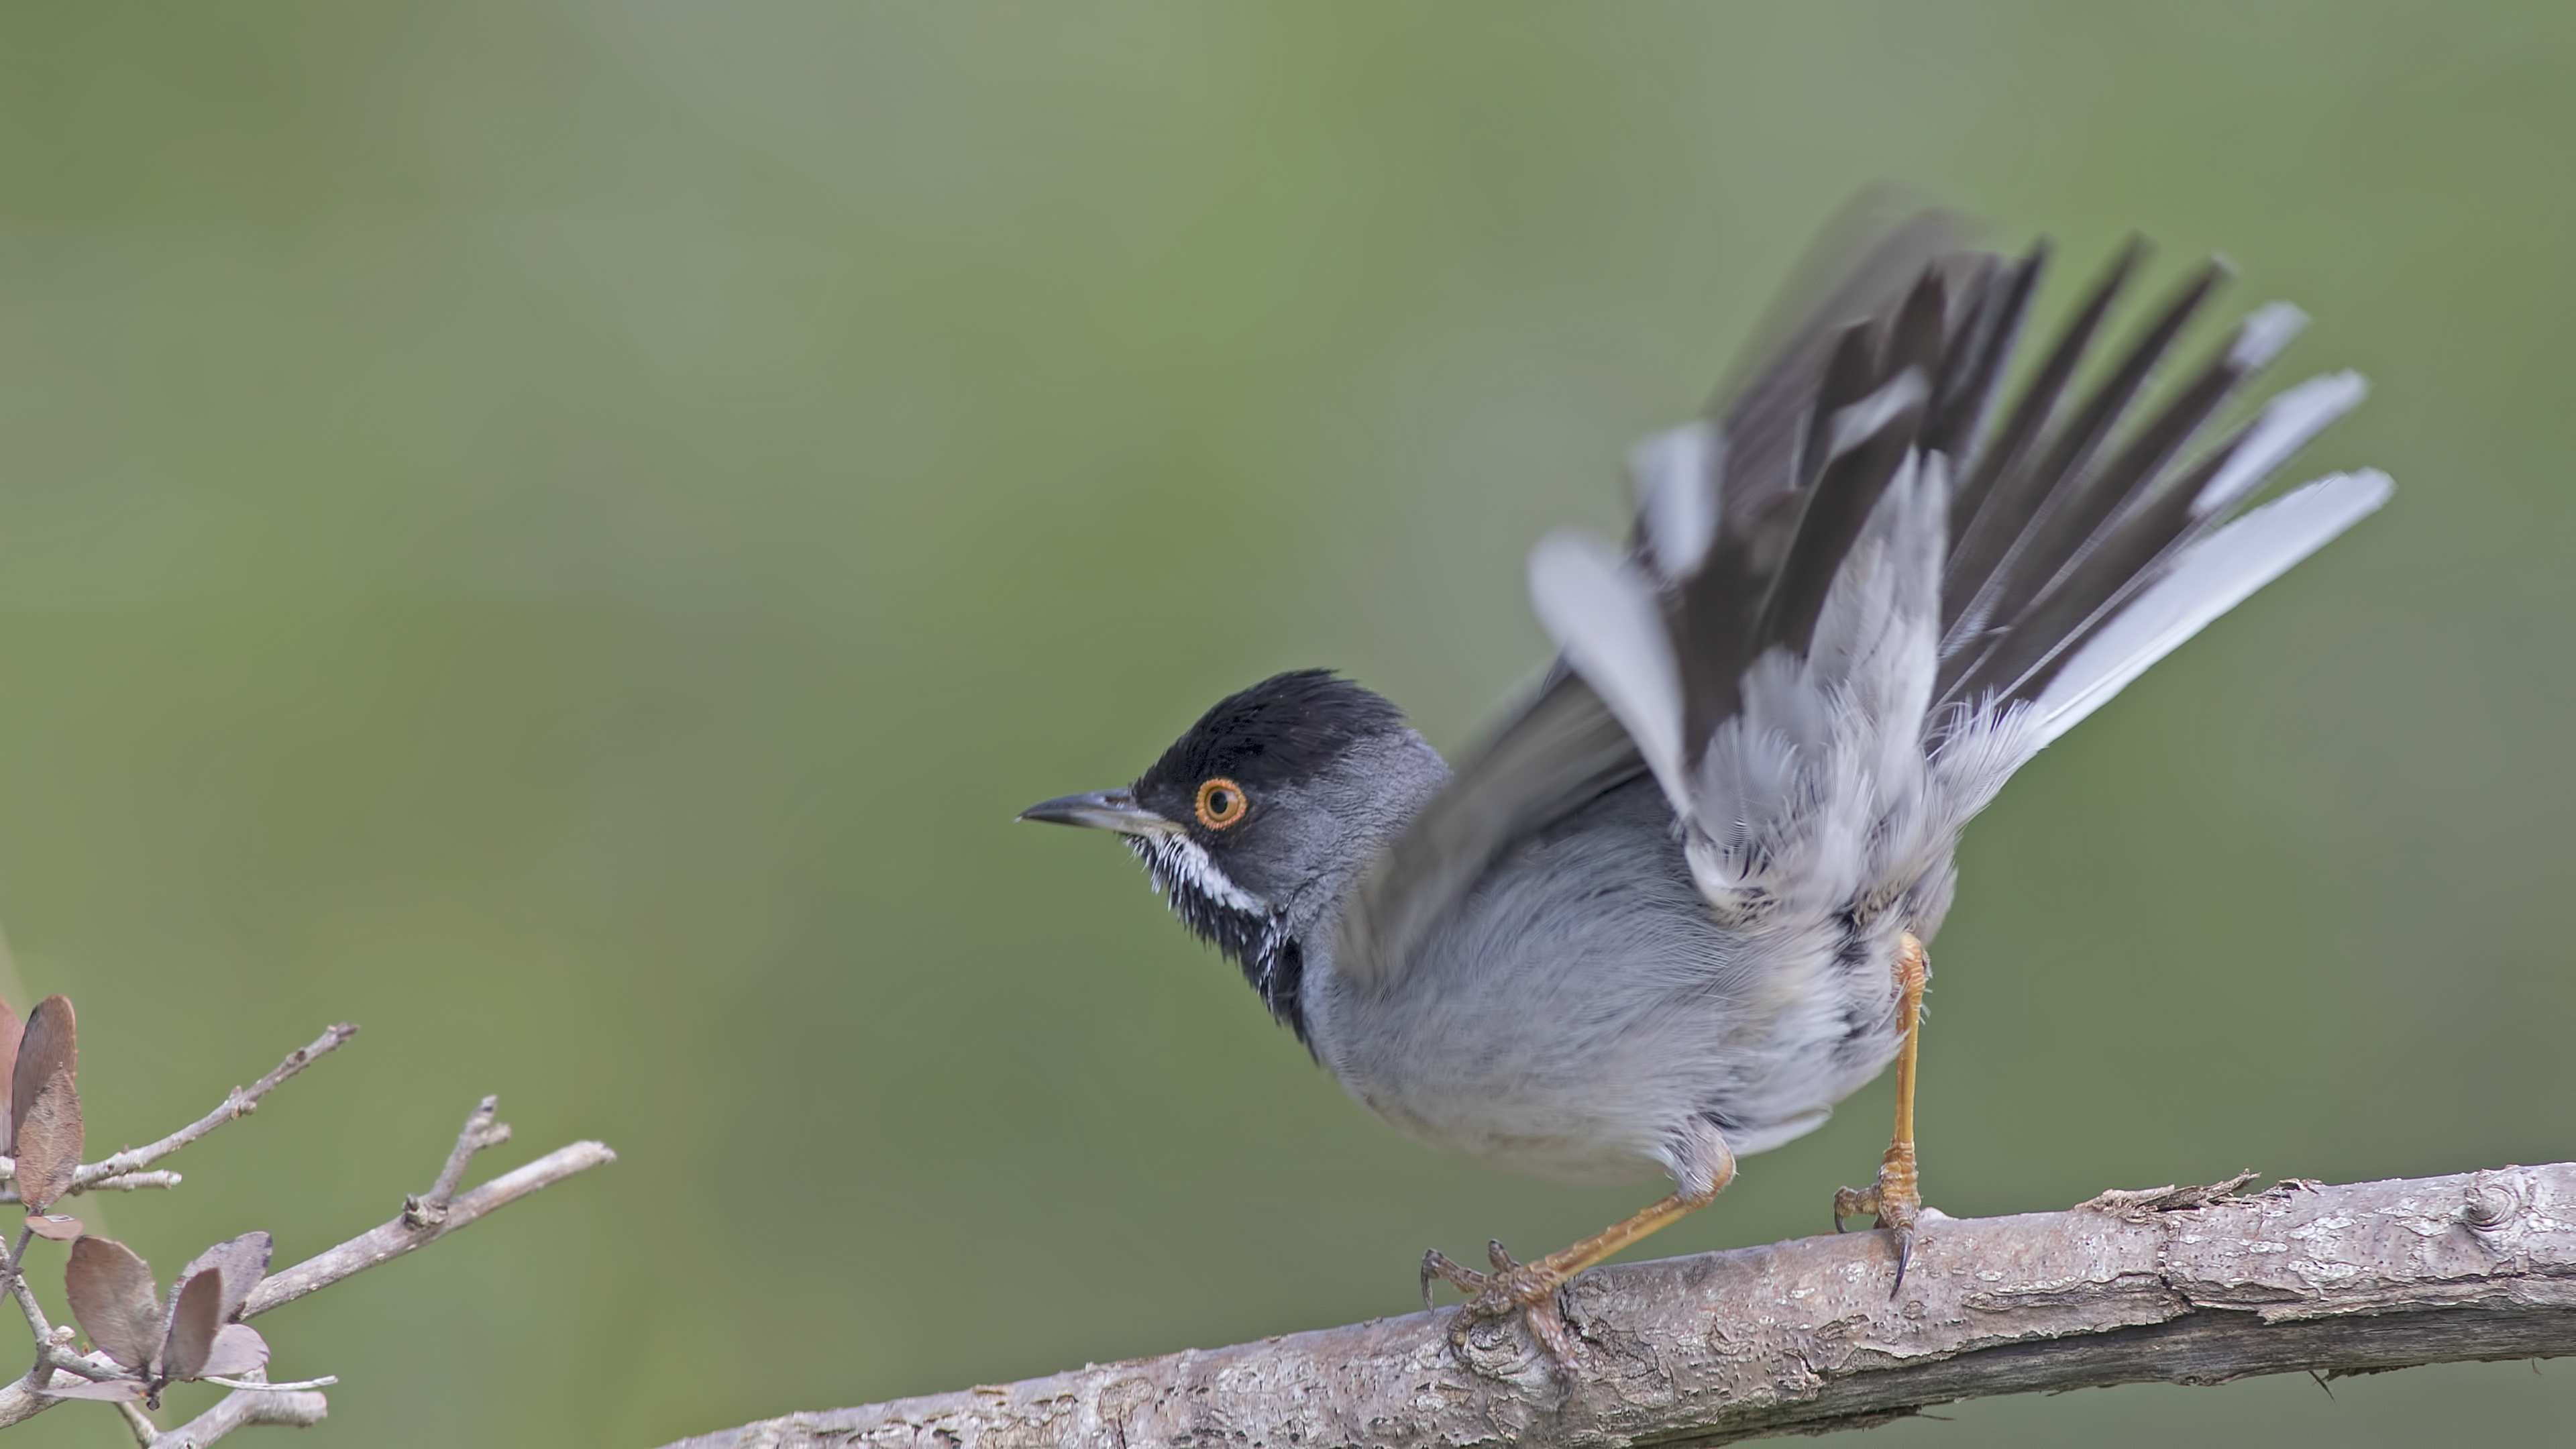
1102,810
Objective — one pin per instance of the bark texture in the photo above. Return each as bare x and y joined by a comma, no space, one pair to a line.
2183,1286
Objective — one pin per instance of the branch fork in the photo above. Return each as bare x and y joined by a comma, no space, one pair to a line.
481,1131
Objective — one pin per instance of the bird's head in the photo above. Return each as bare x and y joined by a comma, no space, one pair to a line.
1262,815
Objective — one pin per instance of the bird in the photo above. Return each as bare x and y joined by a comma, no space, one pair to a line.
1675,905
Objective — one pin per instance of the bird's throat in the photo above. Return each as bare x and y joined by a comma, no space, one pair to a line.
1252,934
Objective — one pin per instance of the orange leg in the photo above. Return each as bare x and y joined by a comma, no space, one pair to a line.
1531,1288
1897,1197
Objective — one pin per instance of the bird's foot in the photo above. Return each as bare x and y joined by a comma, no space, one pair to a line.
1895,1200
1533,1290
1528,1289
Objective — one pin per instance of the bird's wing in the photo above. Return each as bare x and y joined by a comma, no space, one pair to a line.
1858,597
1562,748
1558,751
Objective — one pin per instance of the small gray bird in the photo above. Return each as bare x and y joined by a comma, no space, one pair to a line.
1673,909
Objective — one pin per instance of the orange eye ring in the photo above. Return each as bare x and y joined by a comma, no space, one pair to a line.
1222,803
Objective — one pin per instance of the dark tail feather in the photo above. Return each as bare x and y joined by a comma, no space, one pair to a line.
2130,552
2007,485
1867,440
2058,518
2021,659
1966,390
2077,496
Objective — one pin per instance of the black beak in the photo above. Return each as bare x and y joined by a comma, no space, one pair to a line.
1102,810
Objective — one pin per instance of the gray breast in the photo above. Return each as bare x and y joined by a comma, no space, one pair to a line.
1582,1008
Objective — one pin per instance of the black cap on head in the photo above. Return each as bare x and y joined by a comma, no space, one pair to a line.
1283,731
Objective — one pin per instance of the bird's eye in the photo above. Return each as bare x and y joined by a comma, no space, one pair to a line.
1221,803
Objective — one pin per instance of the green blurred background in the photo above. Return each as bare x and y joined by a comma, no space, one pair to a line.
563,532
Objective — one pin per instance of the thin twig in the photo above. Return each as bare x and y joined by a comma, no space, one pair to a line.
126,1183
61,1351
20,1400
133,1181
400,1236
139,1424
242,1408
239,1102
27,1304
480,1132
324,1382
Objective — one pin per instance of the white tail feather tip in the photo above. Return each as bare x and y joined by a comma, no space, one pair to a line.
2287,423
2211,577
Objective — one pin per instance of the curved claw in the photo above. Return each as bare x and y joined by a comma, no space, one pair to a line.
1437,1264
1528,1289
1893,1202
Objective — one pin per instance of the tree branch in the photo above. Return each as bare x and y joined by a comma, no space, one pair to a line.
392,1240
239,1102
2169,1285
416,1226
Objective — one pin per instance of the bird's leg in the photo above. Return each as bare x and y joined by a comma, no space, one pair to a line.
1897,1198
1531,1288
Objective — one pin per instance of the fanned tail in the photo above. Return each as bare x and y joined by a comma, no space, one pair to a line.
1865,590
1856,561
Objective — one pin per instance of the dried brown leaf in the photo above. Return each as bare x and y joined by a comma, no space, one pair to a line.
11,1028
110,1288
49,1141
49,1043
56,1227
238,1350
243,1261
44,1104
196,1316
